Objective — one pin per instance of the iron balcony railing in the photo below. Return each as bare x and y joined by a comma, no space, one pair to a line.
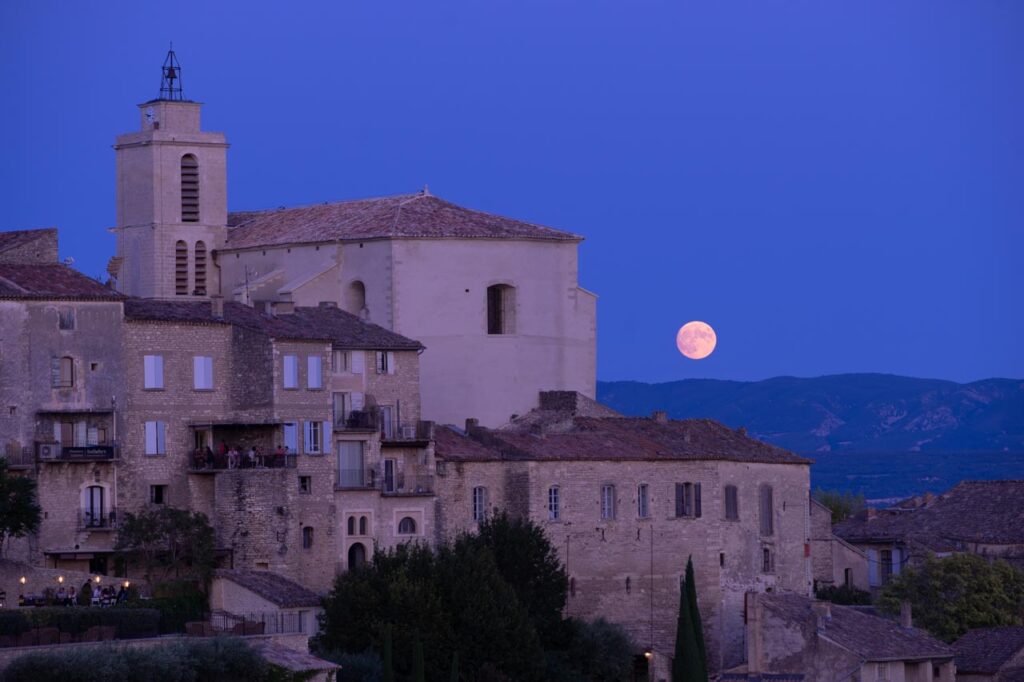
97,520
385,481
357,478
217,462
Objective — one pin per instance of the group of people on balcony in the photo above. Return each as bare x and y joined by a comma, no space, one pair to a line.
237,457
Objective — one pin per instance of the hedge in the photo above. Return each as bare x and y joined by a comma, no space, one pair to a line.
131,623
217,659
13,622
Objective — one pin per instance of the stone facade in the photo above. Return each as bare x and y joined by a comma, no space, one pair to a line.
834,561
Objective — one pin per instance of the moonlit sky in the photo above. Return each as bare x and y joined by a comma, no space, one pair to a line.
834,186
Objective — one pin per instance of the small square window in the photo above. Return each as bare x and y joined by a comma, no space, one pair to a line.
157,494
94,366
305,484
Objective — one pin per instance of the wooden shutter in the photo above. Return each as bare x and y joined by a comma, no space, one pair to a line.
680,500
358,402
358,362
291,437
151,438
696,500
391,362
325,437
55,372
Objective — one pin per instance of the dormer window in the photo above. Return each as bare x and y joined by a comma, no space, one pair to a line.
189,189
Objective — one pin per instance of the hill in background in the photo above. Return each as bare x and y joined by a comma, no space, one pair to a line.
843,412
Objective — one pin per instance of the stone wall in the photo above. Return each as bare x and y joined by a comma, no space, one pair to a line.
40,248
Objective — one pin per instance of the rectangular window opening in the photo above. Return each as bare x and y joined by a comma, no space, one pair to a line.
157,494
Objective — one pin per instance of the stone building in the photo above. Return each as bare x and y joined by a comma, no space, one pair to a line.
791,637
61,392
496,300
834,561
626,501
979,517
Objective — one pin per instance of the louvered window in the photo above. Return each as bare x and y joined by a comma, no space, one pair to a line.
181,269
62,372
732,505
200,269
189,189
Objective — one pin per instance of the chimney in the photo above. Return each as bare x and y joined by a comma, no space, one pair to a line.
823,613
906,615
660,416
217,307
471,425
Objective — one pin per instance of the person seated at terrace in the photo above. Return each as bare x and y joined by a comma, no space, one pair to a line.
233,458
251,457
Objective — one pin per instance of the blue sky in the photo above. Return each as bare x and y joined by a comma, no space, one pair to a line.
834,186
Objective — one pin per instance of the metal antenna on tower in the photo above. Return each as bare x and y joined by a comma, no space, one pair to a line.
170,80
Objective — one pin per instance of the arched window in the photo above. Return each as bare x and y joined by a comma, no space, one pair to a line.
767,511
92,507
407,526
200,269
479,503
355,297
181,268
356,556
501,309
189,189
351,525
362,525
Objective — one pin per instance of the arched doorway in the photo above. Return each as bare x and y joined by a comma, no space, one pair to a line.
356,556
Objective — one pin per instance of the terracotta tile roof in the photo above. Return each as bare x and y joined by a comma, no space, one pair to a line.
871,637
50,281
608,439
323,323
972,511
404,216
271,586
987,650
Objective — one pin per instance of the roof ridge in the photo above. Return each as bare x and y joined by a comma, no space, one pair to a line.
405,195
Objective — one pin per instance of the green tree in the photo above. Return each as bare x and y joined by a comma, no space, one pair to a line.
686,662
843,505
419,671
698,626
952,595
455,667
19,512
389,661
168,543
529,563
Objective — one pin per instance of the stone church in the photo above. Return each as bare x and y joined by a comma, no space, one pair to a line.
495,300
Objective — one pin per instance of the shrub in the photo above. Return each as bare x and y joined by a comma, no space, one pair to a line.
130,623
178,602
84,597
844,594
13,622
209,660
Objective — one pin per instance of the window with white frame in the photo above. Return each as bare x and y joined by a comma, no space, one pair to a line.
316,438
385,362
479,503
554,503
291,371
156,438
339,361
314,372
153,371
202,373
608,501
642,501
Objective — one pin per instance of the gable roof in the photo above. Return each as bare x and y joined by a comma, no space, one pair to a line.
870,637
972,511
560,436
404,216
50,281
322,323
987,650
273,587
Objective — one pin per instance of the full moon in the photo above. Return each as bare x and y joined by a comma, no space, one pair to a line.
696,340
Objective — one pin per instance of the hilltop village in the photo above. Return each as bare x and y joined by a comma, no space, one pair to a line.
331,380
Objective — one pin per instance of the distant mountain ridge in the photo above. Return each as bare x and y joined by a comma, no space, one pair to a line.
843,412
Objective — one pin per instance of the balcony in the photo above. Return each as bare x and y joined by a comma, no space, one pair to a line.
357,420
201,464
94,521
387,483
55,452
405,434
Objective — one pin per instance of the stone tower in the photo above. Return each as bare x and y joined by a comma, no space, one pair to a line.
171,198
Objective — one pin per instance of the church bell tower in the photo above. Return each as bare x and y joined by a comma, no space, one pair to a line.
171,198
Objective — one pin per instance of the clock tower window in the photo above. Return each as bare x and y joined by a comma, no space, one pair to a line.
189,189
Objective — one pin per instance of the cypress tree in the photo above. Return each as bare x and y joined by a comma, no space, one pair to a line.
686,661
389,668
698,627
455,667
419,668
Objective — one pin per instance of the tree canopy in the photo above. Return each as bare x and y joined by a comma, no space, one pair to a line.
952,595
456,600
19,512
843,505
168,543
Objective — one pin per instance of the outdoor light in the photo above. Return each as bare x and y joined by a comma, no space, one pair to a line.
648,654
97,579
60,579
22,580
127,584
